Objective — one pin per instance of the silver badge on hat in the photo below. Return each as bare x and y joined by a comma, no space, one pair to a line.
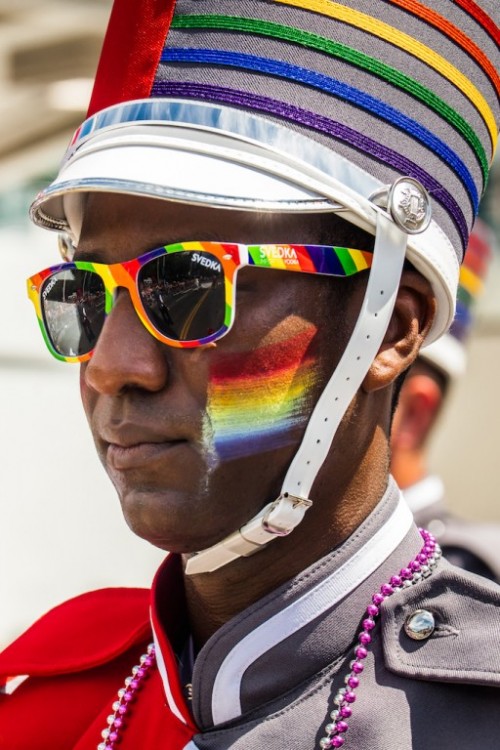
408,202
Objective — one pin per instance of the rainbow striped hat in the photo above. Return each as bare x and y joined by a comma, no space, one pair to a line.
299,105
448,353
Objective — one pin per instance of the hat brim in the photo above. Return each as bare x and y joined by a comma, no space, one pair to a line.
163,171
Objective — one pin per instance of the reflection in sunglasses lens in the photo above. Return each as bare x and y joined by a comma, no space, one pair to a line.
183,294
73,305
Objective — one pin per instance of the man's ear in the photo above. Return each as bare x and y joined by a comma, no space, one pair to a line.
411,321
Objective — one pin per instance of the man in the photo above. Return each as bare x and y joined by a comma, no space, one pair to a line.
259,162
471,545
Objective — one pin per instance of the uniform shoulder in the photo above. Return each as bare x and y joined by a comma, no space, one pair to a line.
463,647
81,633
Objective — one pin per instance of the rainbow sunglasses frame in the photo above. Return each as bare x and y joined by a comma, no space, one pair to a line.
329,260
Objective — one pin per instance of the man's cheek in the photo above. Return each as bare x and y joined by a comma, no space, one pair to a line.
89,401
260,401
85,392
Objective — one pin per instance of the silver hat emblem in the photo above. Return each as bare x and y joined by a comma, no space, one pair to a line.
408,202
420,625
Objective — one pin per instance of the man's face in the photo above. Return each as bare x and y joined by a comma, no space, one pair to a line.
197,441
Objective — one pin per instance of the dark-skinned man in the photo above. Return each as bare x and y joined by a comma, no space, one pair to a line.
295,181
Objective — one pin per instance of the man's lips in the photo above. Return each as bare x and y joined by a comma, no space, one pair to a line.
134,456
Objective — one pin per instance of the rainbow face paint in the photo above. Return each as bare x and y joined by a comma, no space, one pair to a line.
258,400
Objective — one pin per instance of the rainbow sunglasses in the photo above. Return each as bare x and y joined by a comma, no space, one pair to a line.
184,294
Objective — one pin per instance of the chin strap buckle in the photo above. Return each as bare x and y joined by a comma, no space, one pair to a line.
281,517
277,519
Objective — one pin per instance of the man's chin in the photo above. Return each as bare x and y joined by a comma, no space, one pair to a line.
174,521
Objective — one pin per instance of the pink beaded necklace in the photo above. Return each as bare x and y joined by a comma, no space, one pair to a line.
420,567
126,695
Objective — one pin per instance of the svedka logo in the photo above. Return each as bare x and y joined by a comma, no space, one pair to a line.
279,252
49,287
211,263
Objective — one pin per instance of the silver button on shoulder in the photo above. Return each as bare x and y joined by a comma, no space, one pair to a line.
420,625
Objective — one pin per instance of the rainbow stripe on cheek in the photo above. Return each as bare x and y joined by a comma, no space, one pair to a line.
257,400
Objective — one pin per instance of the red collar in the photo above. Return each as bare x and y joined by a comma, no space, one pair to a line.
170,629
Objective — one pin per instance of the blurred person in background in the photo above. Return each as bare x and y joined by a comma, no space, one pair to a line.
299,179
471,545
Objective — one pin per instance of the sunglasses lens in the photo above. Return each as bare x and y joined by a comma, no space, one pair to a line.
183,294
73,307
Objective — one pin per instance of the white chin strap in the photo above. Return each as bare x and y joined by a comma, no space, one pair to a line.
283,515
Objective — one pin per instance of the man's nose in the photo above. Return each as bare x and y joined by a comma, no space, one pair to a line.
126,354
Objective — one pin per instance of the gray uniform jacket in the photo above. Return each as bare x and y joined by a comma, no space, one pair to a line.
471,545
267,679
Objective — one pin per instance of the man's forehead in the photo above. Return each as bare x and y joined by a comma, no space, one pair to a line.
98,219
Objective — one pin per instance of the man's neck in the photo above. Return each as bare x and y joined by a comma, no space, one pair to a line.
214,598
